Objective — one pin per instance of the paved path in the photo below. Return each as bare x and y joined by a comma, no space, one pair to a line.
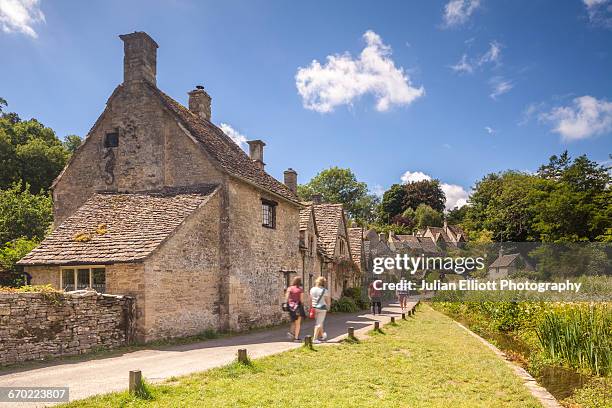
102,375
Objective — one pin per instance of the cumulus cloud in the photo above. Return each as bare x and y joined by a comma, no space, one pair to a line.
585,117
458,12
490,130
599,11
236,136
342,79
499,86
20,16
467,65
456,196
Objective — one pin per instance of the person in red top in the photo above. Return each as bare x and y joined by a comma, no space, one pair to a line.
375,296
295,303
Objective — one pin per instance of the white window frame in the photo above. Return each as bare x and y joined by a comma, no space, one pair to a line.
75,268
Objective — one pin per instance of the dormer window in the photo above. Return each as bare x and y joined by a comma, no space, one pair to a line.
111,140
268,210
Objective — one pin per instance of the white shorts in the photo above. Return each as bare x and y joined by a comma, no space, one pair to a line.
320,317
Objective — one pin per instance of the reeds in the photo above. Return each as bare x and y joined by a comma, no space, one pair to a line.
579,335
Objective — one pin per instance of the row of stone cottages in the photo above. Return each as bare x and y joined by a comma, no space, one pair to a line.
160,204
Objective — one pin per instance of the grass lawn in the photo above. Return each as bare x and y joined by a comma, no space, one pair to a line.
424,362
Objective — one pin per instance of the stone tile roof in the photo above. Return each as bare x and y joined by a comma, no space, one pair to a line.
118,227
305,214
227,153
328,218
504,261
424,244
458,232
355,236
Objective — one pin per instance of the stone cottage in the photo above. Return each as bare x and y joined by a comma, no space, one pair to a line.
160,204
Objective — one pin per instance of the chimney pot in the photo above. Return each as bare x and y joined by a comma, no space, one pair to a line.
139,57
291,179
256,151
199,102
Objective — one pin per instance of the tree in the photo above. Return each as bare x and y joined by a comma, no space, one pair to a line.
426,192
72,142
392,203
425,216
23,214
457,215
337,185
10,253
29,152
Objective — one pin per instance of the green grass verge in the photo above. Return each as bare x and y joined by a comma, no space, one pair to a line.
424,362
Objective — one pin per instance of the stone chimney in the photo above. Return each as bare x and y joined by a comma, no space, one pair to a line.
291,179
256,150
317,198
199,102
139,57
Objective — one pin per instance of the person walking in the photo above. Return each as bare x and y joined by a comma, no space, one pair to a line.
320,302
295,305
375,297
402,298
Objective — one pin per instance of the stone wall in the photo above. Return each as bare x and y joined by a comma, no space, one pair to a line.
182,295
34,326
257,257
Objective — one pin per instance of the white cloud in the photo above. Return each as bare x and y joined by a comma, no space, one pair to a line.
20,16
463,66
456,196
492,55
499,87
467,65
490,130
457,12
599,11
411,177
378,190
236,136
342,79
586,117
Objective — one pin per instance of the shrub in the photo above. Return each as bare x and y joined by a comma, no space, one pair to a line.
344,305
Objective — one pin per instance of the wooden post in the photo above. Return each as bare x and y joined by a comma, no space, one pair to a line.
351,333
135,385
392,319
377,326
308,341
403,316
242,356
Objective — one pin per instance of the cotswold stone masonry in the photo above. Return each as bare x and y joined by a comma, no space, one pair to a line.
35,326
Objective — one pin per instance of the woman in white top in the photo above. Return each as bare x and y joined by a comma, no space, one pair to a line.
320,301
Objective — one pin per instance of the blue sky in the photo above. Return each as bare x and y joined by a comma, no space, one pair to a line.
394,90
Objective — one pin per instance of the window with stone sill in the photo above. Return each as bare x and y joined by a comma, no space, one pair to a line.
268,210
83,277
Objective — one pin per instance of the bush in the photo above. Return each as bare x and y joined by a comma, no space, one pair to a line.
358,297
344,305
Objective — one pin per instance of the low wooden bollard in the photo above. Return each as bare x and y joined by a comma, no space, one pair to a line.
392,319
403,316
308,341
242,356
135,385
377,326
351,333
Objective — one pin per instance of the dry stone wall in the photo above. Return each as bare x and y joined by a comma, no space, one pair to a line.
35,326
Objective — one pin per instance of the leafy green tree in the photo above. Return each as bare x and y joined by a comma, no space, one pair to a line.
425,216
72,142
337,185
23,214
29,152
427,192
457,215
10,253
392,203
